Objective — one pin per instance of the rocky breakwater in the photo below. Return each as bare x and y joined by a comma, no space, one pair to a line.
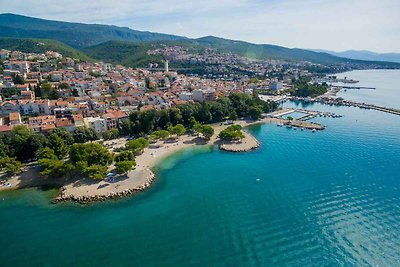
248,143
85,191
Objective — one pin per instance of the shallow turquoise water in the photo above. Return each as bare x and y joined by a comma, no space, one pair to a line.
329,198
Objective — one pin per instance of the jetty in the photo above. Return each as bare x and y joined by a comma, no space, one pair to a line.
355,87
341,102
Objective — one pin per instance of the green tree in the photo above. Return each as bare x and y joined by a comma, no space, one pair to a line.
4,149
11,165
18,79
96,172
198,128
233,116
177,130
45,89
207,131
51,167
255,112
124,156
18,141
65,135
175,116
83,135
91,154
232,132
57,144
111,134
46,153
124,166
64,86
137,145
126,127
161,134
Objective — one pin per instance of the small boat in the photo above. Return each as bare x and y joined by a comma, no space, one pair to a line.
294,128
302,129
313,130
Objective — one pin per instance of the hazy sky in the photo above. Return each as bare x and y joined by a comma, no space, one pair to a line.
334,25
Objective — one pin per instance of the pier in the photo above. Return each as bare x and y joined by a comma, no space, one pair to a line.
355,87
342,102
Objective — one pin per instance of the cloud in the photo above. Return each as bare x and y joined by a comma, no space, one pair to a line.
335,25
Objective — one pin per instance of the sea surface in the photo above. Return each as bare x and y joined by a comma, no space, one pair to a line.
386,82
330,198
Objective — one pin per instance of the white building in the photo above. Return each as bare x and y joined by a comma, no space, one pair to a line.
185,96
97,124
200,95
275,85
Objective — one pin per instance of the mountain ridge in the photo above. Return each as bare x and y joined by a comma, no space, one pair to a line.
84,36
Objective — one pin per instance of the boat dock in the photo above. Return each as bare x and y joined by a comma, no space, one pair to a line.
308,114
301,120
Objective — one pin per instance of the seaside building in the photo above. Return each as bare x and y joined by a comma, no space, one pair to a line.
96,123
200,95
275,85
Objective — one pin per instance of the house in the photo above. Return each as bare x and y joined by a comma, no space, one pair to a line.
200,95
42,123
27,106
78,120
9,106
14,118
28,95
66,123
4,54
114,118
96,123
21,66
56,76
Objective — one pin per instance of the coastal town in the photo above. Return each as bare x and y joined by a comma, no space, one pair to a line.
199,133
55,96
136,116
48,91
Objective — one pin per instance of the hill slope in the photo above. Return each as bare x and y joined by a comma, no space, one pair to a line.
131,54
265,51
87,37
40,46
77,35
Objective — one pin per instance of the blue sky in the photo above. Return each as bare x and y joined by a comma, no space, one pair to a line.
335,25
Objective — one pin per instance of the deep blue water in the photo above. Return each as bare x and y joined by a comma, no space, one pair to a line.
330,198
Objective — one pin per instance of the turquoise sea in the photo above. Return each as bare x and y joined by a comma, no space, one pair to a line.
330,198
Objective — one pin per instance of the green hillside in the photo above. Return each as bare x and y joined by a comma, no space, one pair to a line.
77,35
40,46
265,51
131,45
132,54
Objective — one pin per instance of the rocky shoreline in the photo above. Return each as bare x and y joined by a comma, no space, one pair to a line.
85,199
